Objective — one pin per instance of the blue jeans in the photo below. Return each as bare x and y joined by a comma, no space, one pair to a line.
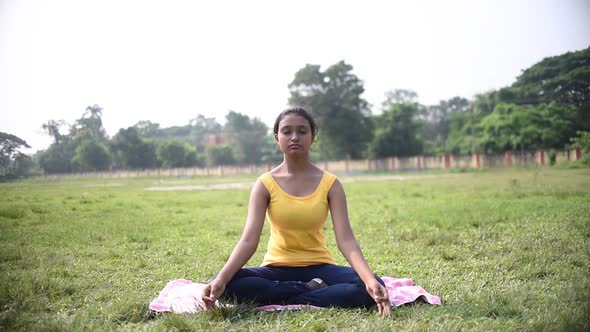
287,285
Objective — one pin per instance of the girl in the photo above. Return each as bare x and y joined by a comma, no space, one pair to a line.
297,267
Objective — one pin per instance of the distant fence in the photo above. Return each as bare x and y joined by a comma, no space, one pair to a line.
447,161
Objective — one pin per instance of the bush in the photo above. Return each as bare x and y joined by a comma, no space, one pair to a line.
219,155
552,157
176,154
92,156
582,141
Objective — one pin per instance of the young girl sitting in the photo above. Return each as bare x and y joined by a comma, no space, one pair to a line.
298,267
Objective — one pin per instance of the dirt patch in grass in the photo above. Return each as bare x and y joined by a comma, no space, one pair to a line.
103,185
219,186
345,179
372,178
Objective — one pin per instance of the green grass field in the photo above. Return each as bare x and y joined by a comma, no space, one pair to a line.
504,249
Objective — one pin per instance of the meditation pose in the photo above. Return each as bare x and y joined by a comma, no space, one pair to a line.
298,267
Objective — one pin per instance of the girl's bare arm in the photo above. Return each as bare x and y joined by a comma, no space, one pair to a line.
350,249
246,246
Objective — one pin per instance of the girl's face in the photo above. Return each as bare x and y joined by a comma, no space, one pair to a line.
294,134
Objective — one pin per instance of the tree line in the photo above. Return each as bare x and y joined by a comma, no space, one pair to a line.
547,107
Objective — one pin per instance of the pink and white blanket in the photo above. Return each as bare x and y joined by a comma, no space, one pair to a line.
183,296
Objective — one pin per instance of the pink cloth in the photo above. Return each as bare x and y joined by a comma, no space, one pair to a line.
184,296
402,291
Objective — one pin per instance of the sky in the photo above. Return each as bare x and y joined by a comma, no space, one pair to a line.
168,61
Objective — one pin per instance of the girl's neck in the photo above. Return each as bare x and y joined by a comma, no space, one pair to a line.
296,165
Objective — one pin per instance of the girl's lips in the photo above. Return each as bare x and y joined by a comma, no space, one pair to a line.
294,146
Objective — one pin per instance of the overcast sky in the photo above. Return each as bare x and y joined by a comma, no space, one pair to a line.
168,61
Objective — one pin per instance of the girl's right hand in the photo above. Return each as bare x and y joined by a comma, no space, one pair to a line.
211,293
381,297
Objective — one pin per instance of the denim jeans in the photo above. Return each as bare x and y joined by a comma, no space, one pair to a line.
288,285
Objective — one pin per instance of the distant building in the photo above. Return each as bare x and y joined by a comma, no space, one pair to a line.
216,140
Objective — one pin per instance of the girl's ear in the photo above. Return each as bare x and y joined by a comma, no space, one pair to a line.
276,137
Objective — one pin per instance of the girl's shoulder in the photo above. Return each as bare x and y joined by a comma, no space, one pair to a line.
266,178
328,180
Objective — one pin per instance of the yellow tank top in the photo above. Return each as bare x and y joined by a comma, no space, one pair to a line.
296,225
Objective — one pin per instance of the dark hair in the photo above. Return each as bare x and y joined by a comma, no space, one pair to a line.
298,110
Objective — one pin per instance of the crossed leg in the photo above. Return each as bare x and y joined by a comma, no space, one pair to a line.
287,285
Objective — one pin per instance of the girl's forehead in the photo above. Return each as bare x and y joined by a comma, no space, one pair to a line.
293,120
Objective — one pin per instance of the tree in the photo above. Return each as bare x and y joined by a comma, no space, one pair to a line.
147,129
399,96
334,98
271,153
94,112
52,128
201,127
9,147
22,166
194,133
13,163
176,154
461,131
463,121
131,151
247,137
57,158
153,131
581,141
512,126
221,154
437,125
90,124
92,155
397,132
563,79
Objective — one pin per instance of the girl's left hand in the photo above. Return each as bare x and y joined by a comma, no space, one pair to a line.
379,294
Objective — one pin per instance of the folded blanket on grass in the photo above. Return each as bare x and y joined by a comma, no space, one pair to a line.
183,296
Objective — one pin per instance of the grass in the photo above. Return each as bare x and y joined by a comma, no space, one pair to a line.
505,250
